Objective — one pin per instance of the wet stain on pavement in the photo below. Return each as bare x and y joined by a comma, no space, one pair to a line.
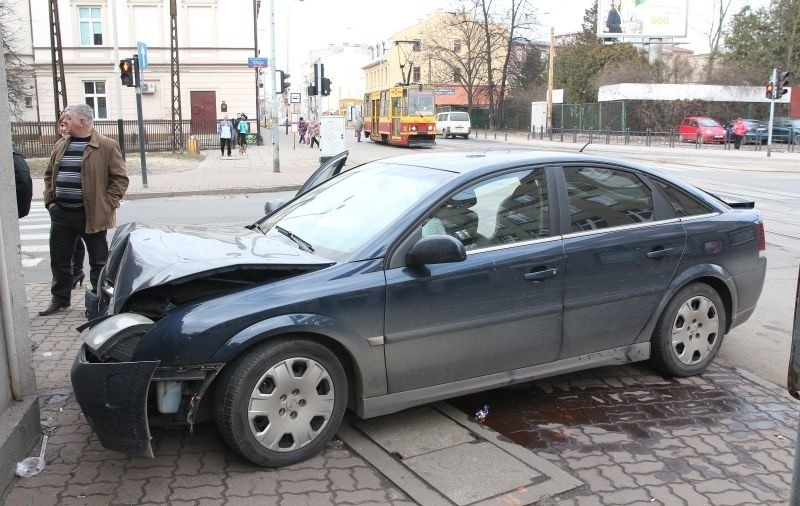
640,408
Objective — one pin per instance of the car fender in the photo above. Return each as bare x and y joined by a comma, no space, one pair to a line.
724,281
367,358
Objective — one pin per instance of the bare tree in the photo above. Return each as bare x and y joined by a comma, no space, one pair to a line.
518,20
455,53
16,70
715,35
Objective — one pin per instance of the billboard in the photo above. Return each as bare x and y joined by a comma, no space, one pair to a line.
642,18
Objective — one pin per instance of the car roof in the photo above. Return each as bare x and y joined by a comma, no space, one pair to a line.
464,162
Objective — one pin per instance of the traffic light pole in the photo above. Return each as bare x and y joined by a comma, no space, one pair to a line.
137,75
771,112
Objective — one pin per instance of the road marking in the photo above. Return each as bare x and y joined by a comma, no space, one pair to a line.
34,237
33,227
35,248
31,262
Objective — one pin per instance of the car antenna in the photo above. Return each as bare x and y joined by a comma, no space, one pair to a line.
584,146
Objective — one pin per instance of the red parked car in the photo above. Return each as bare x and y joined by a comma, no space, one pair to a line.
701,130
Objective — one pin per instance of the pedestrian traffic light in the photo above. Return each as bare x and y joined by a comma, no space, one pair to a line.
126,72
312,91
326,87
769,91
285,84
781,83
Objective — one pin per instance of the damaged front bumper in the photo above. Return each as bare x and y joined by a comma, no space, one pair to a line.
116,392
113,398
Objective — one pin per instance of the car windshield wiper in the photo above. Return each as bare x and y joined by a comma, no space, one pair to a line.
304,245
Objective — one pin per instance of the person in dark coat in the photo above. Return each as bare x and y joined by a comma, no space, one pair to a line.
614,19
24,184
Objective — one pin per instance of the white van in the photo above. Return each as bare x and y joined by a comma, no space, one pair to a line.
453,123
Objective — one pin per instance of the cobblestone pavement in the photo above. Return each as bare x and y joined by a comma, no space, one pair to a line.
634,437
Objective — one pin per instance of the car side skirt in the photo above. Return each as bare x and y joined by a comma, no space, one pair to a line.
391,403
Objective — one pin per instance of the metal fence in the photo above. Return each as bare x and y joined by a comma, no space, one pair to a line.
646,138
36,139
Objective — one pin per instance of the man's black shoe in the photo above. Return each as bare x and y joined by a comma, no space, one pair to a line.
53,307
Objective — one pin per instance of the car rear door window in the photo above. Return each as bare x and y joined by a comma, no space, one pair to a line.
683,203
601,197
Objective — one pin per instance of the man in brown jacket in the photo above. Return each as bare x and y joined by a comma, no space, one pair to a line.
83,184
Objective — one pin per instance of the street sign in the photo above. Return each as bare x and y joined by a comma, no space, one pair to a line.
257,63
294,98
141,48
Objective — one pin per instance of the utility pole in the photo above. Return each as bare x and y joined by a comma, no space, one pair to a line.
257,71
549,122
276,159
137,73
773,80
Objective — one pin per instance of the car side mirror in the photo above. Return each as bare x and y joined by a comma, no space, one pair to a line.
436,249
273,205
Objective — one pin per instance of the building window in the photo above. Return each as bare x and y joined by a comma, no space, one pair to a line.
456,75
417,75
28,102
90,26
417,45
94,94
456,46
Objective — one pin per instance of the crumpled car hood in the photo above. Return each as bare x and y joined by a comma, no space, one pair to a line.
145,256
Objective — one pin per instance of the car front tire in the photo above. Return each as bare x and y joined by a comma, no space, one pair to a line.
282,402
689,332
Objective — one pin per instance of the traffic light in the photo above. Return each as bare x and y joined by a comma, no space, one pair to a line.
312,91
126,72
781,83
769,91
326,86
285,84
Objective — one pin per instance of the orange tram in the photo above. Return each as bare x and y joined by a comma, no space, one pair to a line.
403,115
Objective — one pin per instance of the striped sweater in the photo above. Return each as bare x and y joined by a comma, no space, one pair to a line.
68,189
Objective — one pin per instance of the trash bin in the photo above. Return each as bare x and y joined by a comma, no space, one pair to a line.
191,146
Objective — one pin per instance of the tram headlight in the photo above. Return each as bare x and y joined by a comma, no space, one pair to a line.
413,128
430,127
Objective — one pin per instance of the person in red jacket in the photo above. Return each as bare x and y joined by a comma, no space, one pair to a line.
739,129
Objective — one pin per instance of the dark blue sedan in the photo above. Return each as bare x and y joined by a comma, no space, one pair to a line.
408,280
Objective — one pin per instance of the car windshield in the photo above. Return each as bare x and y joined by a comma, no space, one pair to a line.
342,215
707,122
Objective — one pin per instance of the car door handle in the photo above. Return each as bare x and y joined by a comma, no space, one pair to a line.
659,252
541,275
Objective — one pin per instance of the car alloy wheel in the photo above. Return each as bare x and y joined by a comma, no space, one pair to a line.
282,402
690,331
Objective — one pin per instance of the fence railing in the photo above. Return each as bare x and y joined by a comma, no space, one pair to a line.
36,139
647,138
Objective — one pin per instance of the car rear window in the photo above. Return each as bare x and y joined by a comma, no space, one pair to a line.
459,116
683,203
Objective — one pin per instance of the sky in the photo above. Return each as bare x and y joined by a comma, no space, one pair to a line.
313,24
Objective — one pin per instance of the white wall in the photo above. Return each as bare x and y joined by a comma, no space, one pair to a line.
711,93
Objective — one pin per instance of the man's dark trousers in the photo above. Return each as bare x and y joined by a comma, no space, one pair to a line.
66,226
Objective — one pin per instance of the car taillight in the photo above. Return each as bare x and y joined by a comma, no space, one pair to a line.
762,239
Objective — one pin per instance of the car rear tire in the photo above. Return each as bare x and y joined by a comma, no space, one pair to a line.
282,402
689,332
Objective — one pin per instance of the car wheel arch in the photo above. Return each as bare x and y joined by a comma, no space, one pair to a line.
366,381
710,276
